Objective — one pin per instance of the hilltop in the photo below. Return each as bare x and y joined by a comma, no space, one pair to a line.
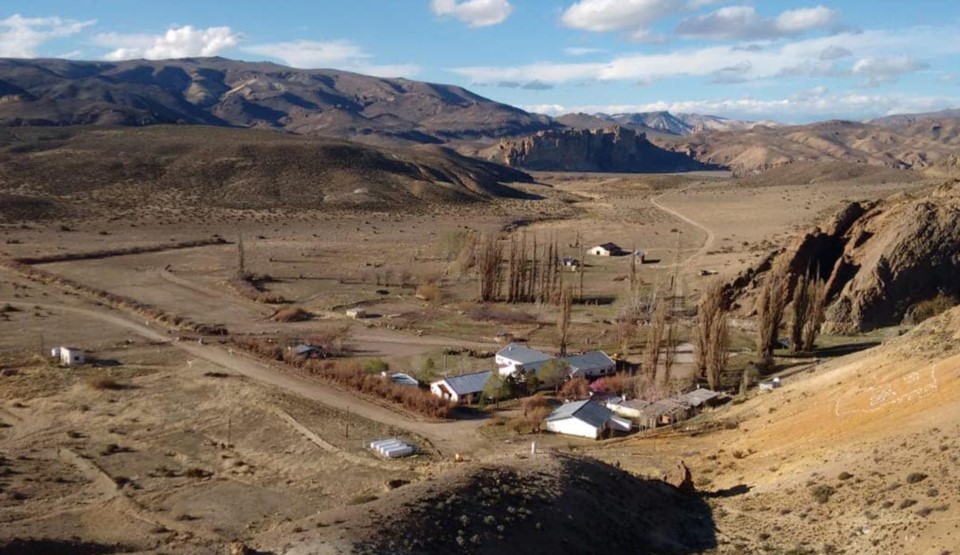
228,93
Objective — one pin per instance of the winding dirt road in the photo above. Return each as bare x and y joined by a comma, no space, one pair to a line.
459,436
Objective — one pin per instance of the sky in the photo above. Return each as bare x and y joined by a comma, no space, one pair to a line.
791,61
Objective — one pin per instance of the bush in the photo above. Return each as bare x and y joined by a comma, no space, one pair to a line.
929,308
103,383
291,314
429,292
822,493
375,366
916,477
577,388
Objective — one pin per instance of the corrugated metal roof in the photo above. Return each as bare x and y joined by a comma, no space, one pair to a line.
589,361
698,397
523,354
663,406
467,383
592,413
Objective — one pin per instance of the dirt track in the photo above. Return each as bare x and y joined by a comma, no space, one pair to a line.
447,437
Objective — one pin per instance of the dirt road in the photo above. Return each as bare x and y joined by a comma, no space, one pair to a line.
678,290
447,437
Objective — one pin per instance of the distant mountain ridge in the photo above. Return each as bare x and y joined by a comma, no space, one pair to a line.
661,122
228,93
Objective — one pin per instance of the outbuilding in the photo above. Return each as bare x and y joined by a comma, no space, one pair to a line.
356,313
606,249
594,364
663,413
630,409
71,356
584,419
515,358
460,388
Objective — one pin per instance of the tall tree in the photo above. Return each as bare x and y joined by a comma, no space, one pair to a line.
712,342
771,302
563,320
241,258
655,337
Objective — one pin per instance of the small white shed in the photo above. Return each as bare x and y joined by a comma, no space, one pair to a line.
606,249
584,419
71,356
356,313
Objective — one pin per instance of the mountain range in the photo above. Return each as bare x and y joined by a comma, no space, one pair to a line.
401,112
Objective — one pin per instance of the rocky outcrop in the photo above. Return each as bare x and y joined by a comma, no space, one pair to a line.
879,260
612,149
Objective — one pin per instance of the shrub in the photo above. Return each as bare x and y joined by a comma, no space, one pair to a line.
291,314
929,308
103,383
822,493
916,477
577,388
844,476
375,366
429,292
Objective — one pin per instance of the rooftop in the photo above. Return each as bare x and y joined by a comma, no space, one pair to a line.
523,354
589,361
467,383
592,413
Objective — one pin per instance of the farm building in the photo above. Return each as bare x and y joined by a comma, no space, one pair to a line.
518,358
570,263
400,378
630,409
460,388
662,413
699,398
591,365
606,249
584,419
69,356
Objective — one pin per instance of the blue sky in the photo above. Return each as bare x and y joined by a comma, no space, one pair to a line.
782,60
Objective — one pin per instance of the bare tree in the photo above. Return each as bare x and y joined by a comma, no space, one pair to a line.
563,320
712,342
241,258
655,339
801,312
490,267
770,306
816,295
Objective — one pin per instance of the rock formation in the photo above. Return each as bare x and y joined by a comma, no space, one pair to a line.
612,149
879,260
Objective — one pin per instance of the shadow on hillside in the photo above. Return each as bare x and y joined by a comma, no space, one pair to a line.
842,350
734,491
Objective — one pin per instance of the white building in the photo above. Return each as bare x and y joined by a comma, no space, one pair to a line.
584,419
517,358
70,356
606,249
591,365
356,313
460,388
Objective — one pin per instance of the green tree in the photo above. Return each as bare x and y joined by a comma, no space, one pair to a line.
493,389
375,366
553,373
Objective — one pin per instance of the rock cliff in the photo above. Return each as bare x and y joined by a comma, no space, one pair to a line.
879,260
612,149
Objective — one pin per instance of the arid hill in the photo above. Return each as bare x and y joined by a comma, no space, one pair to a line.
222,92
662,122
48,170
915,144
880,259
613,149
544,504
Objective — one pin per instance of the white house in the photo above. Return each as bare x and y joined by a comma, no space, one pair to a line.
356,313
584,419
70,356
591,365
459,388
517,358
606,249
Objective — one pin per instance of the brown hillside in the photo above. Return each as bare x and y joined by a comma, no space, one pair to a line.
123,167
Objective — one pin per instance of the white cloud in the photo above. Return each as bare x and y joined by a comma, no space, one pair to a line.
21,37
633,16
177,42
835,53
582,51
805,106
743,22
475,13
767,60
340,54
880,70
